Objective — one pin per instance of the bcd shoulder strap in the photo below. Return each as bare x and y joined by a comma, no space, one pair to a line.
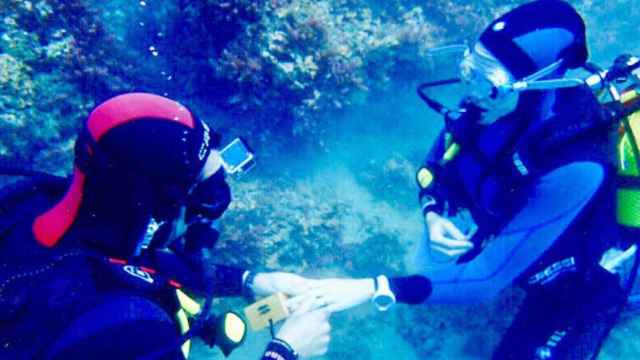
575,114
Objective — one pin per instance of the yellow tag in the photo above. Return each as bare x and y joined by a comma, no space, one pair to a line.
451,152
269,309
425,178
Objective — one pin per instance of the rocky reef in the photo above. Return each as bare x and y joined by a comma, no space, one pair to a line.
282,66
54,64
332,225
286,74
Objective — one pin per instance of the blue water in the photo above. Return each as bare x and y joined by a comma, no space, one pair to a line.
337,182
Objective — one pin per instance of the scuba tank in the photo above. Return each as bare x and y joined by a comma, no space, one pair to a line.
624,110
628,165
621,82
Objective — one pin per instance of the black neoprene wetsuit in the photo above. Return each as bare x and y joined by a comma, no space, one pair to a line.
544,231
70,301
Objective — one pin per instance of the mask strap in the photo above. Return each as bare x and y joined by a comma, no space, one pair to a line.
547,84
547,70
532,81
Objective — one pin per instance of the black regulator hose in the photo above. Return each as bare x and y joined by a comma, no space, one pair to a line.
436,106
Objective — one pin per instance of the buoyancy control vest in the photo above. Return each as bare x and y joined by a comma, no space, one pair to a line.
44,288
488,169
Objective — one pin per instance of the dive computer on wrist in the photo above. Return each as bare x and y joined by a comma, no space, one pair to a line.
383,298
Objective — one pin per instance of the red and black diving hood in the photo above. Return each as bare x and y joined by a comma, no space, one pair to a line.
187,148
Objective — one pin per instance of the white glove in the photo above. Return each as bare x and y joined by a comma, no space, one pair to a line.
307,331
338,294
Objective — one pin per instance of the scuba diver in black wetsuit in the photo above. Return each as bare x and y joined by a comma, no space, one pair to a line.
518,188
74,282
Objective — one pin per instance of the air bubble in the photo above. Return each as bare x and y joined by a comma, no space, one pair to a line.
153,50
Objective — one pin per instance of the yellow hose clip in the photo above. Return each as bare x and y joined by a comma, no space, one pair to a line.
451,153
188,307
424,177
629,96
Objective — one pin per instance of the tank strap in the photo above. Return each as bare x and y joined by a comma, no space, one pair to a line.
626,181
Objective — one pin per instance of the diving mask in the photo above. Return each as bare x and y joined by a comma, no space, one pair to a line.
210,197
482,77
460,77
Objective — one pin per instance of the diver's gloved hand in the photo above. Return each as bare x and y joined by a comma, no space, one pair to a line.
274,282
307,331
445,238
338,294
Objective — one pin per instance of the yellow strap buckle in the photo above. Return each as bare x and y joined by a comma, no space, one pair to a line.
188,307
424,177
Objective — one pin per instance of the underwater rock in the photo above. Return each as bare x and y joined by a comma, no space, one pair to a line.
16,88
319,228
291,228
320,54
53,65
59,50
31,108
282,65
278,68
20,44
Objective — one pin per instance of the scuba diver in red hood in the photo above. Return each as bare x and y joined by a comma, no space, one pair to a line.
78,280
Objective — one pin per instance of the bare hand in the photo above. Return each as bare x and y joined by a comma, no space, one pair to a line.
307,331
445,237
274,282
338,294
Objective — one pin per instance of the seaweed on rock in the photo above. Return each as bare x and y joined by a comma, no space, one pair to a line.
54,63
